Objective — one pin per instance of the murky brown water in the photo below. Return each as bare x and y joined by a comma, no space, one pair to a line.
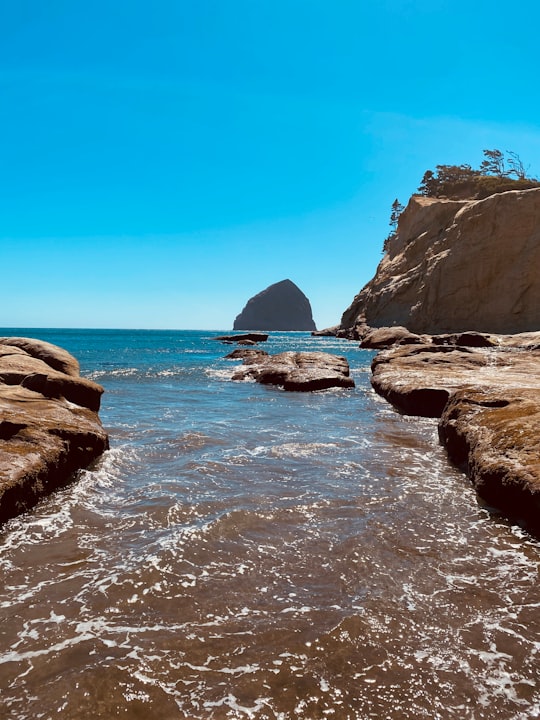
246,553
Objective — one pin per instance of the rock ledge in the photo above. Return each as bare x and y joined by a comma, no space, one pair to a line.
49,427
488,402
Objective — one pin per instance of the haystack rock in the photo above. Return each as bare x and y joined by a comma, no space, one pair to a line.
457,265
282,306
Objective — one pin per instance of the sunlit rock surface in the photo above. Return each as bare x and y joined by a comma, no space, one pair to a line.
458,265
297,371
49,426
488,402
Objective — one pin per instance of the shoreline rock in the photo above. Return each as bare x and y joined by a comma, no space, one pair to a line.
487,400
49,426
295,371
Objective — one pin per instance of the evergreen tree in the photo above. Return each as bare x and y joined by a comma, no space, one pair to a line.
397,209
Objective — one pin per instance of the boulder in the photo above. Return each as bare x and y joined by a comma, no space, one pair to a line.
379,338
282,306
297,371
248,355
49,427
457,265
327,332
466,339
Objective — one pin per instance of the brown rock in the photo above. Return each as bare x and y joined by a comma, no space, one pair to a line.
248,355
489,404
379,338
457,265
495,436
52,355
49,427
298,371
418,379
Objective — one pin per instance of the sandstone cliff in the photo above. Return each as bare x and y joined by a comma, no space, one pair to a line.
282,306
457,265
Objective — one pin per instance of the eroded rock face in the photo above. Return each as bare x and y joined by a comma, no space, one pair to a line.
488,402
458,265
49,427
296,371
495,435
282,306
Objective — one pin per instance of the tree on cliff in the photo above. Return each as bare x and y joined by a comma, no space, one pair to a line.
493,163
397,209
457,182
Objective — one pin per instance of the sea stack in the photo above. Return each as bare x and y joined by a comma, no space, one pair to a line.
282,306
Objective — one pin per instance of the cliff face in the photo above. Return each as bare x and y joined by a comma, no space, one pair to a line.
282,306
457,265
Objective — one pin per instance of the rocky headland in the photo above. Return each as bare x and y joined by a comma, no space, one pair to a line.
457,265
282,306
49,424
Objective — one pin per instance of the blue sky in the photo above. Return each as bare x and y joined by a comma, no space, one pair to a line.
163,162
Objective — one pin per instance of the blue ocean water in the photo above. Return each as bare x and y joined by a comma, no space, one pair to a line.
243,552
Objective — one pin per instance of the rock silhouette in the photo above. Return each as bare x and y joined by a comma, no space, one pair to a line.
282,306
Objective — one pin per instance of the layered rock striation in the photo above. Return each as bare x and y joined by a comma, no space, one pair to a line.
457,265
487,400
282,306
49,426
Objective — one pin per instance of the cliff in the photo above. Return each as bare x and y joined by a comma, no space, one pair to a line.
49,426
457,265
282,306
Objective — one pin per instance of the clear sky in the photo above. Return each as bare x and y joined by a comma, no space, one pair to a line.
162,162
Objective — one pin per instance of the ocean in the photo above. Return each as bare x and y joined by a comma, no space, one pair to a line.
243,552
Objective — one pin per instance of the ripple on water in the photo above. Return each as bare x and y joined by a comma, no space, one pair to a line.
249,554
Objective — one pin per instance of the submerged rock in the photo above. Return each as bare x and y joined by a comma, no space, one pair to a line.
244,338
282,306
297,371
49,427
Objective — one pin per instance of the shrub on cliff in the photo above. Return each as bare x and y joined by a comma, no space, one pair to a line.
497,173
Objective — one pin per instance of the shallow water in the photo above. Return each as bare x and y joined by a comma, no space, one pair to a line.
242,552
